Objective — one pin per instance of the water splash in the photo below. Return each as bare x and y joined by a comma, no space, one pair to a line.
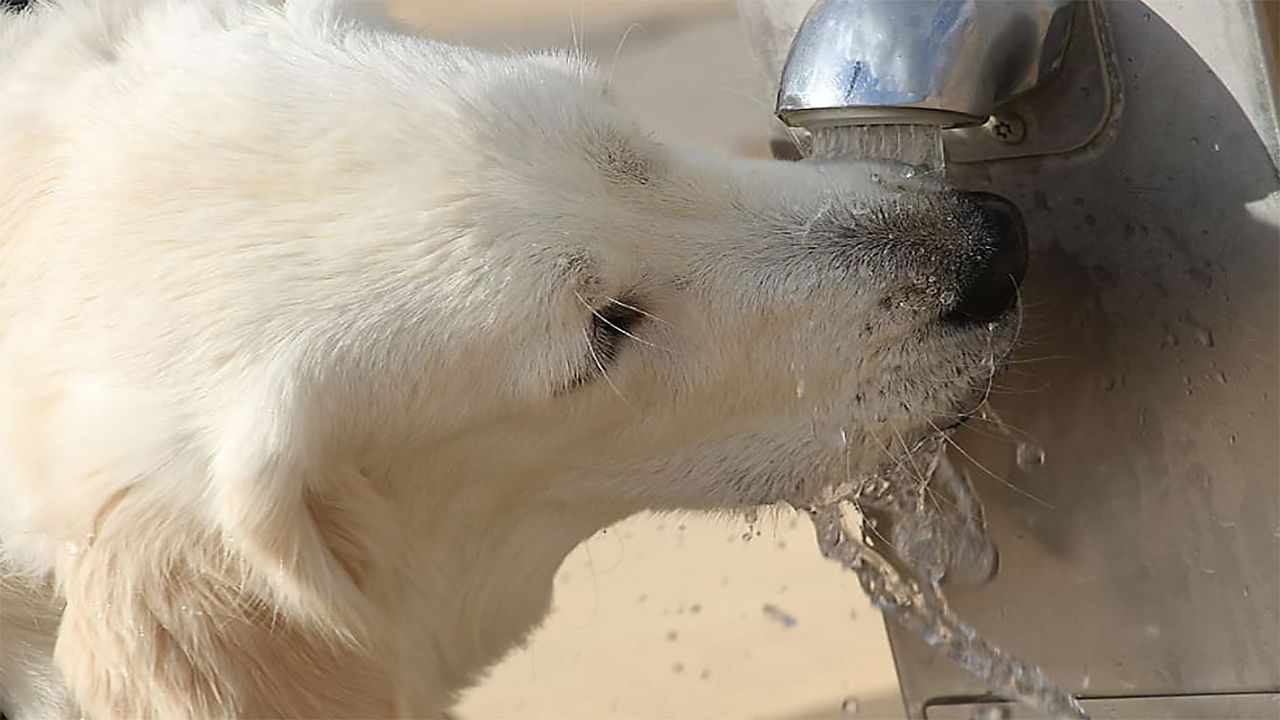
938,525
921,608
918,528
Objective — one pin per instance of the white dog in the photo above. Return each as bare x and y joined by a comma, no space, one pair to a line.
322,344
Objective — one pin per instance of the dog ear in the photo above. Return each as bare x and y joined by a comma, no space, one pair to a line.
161,621
306,524
261,612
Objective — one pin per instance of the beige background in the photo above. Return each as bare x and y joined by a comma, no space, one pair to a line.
679,617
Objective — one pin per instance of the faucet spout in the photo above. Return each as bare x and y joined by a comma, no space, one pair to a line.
946,63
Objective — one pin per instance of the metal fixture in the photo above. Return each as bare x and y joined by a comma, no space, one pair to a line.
932,62
1065,97
1144,576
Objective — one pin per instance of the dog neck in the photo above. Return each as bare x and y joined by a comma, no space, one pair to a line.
476,579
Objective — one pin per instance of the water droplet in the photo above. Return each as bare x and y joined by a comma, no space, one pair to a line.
991,712
1217,147
778,615
800,388
850,706
1205,336
72,548
1030,456
751,516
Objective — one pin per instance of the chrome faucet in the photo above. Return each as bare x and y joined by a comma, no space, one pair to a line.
945,63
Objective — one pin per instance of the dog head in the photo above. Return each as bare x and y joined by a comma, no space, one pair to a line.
649,326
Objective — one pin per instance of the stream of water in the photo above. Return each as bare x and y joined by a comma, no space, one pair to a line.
903,531
918,146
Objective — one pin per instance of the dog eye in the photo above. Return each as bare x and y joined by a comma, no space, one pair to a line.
611,325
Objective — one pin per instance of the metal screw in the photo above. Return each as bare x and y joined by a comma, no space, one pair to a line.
1008,128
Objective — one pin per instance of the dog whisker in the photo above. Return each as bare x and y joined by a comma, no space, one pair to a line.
1043,358
642,311
614,325
604,374
997,478
617,52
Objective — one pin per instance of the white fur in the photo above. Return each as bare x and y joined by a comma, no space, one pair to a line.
297,414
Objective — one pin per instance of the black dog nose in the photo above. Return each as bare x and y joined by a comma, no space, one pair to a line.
990,286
